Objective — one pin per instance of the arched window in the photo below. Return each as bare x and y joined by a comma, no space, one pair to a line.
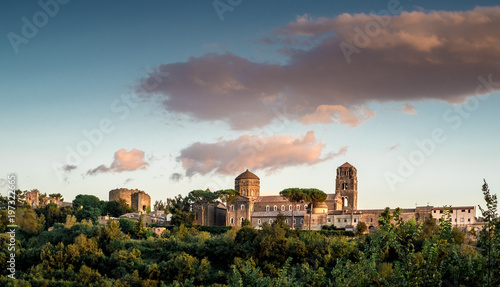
267,208
241,220
286,221
301,220
259,221
346,203
290,207
231,220
282,208
232,207
242,207
270,221
305,206
298,206
275,208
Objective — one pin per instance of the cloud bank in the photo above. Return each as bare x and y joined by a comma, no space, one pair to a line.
123,161
272,153
417,56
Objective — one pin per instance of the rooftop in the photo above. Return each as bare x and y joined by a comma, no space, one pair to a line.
247,175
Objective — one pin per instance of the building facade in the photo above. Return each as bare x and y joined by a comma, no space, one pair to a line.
339,209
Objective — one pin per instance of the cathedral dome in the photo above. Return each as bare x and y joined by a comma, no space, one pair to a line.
247,175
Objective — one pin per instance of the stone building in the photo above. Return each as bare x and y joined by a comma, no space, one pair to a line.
137,199
36,200
339,209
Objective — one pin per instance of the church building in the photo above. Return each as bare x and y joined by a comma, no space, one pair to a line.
339,209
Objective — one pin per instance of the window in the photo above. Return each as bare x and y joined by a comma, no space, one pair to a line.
305,206
275,208
463,210
301,220
259,221
231,220
338,220
469,210
455,220
345,220
329,220
241,220
267,207
290,207
298,206
434,211
286,221
371,219
354,220
270,221
441,211
242,207
282,208
232,207
462,219
468,219
450,219
345,201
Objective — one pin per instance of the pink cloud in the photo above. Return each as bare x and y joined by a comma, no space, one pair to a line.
338,113
123,161
418,56
254,152
409,109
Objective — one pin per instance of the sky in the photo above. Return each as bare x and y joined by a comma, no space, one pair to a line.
173,96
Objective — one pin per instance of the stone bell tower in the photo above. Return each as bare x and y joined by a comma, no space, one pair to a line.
346,188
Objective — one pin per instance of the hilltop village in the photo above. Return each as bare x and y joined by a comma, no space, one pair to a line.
340,209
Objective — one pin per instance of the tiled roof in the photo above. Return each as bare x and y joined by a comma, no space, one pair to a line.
271,198
247,175
346,165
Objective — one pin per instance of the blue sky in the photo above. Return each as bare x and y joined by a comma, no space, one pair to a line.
179,97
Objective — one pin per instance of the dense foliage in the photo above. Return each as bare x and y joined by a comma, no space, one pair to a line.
126,253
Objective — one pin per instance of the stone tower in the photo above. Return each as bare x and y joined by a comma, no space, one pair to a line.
346,188
248,185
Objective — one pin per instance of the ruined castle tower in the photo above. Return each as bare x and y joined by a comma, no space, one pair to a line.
346,188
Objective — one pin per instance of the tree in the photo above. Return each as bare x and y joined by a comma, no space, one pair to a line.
313,196
361,228
181,211
115,208
57,196
227,196
490,236
294,195
87,207
202,198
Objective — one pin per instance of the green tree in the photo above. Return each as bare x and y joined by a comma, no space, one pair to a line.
361,228
29,222
228,196
57,196
313,196
490,236
202,198
127,225
181,211
87,207
295,196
